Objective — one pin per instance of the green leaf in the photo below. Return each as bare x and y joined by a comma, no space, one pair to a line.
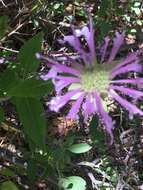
1,115
3,25
139,22
8,79
133,30
137,4
103,8
11,85
31,114
127,17
97,135
30,88
7,172
57,5
104,28
27,58
79,148
136,10
32,169
8,185
72,183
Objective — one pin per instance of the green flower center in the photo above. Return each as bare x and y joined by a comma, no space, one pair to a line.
96,78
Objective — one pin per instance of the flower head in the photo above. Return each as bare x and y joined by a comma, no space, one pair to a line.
91,78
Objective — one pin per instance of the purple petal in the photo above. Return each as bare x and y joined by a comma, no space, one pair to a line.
89,36
60,85
75,108
59,101
131,67
67,69
132,57
68,78
128,91
75,43
46,59
137,81
51,74
117,42
2,60
73,62
71,40
88,106
105,117
90,39
83,32
104,48
61,67
64,82
127,105
78,46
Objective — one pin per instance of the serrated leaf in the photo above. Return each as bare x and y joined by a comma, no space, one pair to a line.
11,85
31,114
30,88
8,185
8,79
28,61
72,183
79,148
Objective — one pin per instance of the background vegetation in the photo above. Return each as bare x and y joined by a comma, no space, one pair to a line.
38,148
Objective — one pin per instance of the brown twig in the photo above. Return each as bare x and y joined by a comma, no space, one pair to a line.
13,31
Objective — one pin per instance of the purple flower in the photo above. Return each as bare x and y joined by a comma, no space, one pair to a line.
2,60
91,78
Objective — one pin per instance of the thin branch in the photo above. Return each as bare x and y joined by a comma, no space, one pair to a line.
3,3
7,49
13,31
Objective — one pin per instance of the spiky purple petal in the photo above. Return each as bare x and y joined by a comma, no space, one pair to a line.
105,117
59,101
135,67
103,48
135,94
75,108
51,74
117,42
126,104
137,81
88,106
